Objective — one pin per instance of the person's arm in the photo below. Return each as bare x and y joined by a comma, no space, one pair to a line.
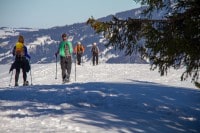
83,48
75,50
98,49
13,51
91,49
56,53
26,52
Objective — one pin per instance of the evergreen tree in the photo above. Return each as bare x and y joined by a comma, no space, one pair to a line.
173,41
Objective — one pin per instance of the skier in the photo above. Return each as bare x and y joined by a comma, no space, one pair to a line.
65,51
79,50
21,54
95,53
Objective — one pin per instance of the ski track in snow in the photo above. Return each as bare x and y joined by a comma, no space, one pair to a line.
107,98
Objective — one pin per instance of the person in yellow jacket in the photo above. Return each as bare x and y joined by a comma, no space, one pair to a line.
79,50
21,54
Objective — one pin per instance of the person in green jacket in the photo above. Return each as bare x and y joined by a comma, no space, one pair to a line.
65,51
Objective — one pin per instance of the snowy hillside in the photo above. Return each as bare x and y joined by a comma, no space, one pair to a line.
108,98
9,32
42,43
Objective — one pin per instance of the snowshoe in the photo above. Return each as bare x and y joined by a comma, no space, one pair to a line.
26,83
66,80
16,84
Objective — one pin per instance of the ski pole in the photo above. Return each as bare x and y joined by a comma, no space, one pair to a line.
56,67
31,77
10,78
82,59
30,72
75,66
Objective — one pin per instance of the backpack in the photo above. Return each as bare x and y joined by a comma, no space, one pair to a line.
64,49
94,49
80,49
19,49
67,50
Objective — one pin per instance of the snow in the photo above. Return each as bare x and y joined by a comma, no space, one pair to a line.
2,44
107,98
6,31
41,41
5,55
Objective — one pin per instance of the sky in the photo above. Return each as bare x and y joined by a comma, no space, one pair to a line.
51,13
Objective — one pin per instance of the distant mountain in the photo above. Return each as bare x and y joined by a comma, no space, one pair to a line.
43,43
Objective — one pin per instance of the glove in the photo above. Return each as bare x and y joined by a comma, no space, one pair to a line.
56,54
28,56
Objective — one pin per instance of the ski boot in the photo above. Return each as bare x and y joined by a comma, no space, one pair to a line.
16,84
65,80
25,83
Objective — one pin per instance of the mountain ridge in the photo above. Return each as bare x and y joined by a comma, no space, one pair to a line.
42,43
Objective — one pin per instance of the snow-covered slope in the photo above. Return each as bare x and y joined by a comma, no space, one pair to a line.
45,74
9,32
108,98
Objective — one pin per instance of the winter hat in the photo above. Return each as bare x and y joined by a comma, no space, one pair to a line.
94,43
21,39
64,35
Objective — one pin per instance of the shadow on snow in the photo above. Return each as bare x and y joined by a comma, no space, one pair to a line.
137,107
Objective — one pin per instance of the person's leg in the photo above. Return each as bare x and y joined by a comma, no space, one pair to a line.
17,68
97,59
17,77
79,59
93,59
68,67
24,67
24,77
63,67
24,74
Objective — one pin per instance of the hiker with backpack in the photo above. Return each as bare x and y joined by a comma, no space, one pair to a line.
65,50
21,54
79,50
95,54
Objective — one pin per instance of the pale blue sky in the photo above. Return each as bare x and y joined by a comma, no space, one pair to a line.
50,13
